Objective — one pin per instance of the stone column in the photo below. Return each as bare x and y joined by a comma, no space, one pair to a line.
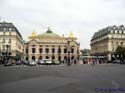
37,49
62,52
56,49
56,52
30,57
75,50
44,49
30,49
50,50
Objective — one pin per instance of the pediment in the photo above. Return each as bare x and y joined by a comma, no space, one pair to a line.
74,43
33,42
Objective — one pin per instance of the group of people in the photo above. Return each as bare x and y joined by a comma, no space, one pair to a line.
93,61
70,61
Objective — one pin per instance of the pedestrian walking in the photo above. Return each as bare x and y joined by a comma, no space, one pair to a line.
74,61
68,62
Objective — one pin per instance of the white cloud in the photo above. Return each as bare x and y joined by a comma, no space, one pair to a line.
83,17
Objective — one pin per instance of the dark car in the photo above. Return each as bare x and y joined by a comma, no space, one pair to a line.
109,61
123,61
117,61
19,62
26,62
8,63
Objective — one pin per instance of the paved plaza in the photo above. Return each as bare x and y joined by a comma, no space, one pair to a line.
79,78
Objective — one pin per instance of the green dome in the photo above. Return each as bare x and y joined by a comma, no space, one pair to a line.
49,33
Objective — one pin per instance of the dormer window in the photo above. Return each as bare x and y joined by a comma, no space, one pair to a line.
116,31
120,31
111,31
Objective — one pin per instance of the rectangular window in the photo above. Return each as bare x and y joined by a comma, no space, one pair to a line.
7,29
10,33
3,40
40,46
47,50
4,29
53,50
9,41
72,50
40,50
3,47
121,43
59,50
9,48
33,50
4,33
65,50
27,50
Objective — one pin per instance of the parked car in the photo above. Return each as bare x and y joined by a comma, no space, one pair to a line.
40,62
32,63
123,61
26,62
117,61
109,61
19,62
56,62
48,62
7,63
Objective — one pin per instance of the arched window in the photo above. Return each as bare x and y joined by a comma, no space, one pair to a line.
40,57
53,57
33,58
47,57
65,57
72,57
27,58
59,58
53,50
47,50
59,49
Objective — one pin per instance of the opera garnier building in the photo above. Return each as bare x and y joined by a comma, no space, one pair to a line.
50,45
105,41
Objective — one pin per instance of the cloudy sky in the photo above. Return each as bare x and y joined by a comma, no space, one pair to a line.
82,17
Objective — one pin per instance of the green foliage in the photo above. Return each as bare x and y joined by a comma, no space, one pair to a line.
121,50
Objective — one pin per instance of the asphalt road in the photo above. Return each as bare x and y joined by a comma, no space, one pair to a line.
63,79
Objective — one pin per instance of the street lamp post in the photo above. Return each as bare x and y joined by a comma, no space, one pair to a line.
68,59
7,51
0,55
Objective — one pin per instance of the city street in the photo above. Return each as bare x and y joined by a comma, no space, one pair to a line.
79,78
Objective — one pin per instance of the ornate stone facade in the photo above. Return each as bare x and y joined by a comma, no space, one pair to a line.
49,45
11,42
105,41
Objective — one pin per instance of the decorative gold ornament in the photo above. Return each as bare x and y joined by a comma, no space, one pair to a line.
34,34
71,35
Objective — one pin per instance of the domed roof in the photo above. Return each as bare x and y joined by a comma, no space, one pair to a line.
49,33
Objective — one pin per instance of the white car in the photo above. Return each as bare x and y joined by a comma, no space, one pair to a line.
48,61
32,63
40,62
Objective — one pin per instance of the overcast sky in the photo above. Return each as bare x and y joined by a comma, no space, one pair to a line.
82,17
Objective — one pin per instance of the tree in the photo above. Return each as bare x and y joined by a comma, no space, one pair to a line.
121,50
